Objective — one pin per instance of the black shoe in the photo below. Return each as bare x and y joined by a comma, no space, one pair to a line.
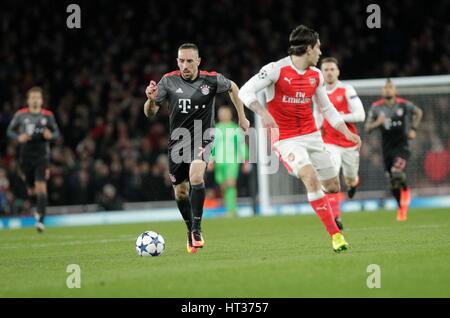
339,224
351,192
197,239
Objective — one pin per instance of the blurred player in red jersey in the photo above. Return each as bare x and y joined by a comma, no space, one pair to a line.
398,120
290,84
344,153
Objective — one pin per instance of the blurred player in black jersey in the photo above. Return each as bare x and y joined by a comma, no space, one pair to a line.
33,127
190,95
398,119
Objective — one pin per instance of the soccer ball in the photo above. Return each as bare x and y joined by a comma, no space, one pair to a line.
150,243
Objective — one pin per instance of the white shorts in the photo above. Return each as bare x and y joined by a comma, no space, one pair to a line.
297,152
345,158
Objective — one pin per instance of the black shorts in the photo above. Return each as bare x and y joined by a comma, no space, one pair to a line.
179,168
397,159
33,170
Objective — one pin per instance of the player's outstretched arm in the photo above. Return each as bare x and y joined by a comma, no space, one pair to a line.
373,123
12,130
417,118
330,113
150,107
234,95
247,94
356,108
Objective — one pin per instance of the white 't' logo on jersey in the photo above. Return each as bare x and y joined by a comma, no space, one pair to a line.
185,103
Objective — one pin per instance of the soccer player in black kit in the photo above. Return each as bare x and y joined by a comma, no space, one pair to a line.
190,95
398,119
33,127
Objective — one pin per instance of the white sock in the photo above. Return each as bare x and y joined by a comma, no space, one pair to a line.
313,196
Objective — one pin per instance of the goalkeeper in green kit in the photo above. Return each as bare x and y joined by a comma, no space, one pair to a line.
228,152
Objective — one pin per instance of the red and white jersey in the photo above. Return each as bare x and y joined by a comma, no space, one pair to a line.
347,103
289,96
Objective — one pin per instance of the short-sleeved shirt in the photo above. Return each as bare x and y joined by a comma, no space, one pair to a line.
33,124
191,104
394,132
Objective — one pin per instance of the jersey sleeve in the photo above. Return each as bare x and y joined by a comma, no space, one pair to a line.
161,97
327,109
267,76
373,112
12,127
356,107
223,84
53,126
410,106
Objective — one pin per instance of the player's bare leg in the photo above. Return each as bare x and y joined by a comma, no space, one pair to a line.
184,205
320,204
196,178
40,189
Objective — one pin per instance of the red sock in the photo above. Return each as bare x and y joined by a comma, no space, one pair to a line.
323,210
405,197
335,202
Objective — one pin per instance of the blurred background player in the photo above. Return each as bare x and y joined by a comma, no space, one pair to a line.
398,119
228,152
33,127
190,94
291,83
344,153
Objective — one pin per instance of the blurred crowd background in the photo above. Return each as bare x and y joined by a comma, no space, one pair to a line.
95,77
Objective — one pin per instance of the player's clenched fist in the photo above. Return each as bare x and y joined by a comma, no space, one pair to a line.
355,139
152,90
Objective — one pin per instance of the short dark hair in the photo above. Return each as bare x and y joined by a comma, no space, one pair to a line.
300,38
186,46
330,60
35,89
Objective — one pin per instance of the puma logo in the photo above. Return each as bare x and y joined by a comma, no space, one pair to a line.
288,80
323,207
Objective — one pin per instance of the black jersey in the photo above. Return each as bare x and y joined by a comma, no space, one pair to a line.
394,132
191,105
33,124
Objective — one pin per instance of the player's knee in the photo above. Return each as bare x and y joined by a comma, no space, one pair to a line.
332,186
181,192
40,188
196,178
398,178
230,183
351,182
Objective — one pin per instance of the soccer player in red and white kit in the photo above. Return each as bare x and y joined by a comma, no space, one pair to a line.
290,84
344,153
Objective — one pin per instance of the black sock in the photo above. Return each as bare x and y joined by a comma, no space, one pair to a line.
41,206
184,205
197,201
396,194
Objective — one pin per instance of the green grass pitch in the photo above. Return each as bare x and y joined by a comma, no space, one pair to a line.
282,256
